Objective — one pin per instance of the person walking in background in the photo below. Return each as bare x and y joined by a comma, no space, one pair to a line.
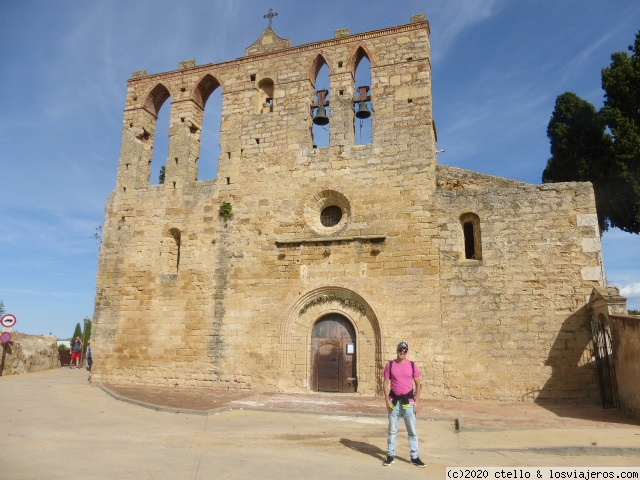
400,376
89,356
76,352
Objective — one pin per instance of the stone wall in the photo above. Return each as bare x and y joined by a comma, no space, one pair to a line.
609,309
187,296
508,315
30,353
626,348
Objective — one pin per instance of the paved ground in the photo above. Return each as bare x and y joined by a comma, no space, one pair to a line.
57,425
468,414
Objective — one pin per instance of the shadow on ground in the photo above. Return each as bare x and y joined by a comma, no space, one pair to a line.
364,447
589,412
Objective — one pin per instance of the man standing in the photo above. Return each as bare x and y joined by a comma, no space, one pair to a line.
89,356
400,375
76,352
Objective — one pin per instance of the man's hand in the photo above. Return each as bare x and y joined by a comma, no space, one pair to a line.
389,402
417,392
386,386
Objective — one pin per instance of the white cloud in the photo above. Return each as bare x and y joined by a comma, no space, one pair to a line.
582,61
631,290
457,15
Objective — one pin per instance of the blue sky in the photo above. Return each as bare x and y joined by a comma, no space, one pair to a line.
498,66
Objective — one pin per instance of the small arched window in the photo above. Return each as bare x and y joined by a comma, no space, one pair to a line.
265,96
470,223
173,250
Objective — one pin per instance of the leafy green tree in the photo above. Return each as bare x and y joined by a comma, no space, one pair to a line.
2,311
76,333
161,175
621,82
580,148
87,331
87,336
603,147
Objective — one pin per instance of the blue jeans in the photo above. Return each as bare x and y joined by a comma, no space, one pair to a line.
410,422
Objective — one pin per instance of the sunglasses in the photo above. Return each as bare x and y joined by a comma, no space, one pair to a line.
403,350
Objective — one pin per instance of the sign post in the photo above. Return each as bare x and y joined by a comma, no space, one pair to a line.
7,321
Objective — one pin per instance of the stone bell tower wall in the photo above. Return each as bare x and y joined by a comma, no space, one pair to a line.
401,95
186,296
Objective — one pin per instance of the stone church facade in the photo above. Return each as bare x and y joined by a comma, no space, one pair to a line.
301,267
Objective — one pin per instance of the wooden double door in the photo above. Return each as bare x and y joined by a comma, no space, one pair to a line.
333,355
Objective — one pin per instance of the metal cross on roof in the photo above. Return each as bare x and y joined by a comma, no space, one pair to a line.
270,16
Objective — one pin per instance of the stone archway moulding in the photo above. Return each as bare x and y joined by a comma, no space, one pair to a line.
295,335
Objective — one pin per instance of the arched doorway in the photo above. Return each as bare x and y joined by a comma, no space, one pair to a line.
333,352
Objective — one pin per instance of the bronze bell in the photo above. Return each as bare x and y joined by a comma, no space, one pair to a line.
321,116
363,111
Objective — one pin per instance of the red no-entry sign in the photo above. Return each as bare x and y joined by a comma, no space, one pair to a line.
5,337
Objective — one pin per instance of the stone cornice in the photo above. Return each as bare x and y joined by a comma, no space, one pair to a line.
299,49
327,240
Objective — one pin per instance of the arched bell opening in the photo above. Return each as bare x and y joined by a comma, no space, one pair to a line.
159,133
362,102
320,108
333,355
360,65
208,95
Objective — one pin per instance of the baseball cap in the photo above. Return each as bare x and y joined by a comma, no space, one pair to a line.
403,345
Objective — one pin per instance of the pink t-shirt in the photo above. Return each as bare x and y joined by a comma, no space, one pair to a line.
402,381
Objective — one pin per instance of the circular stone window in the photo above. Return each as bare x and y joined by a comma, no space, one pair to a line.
331,216
327,212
